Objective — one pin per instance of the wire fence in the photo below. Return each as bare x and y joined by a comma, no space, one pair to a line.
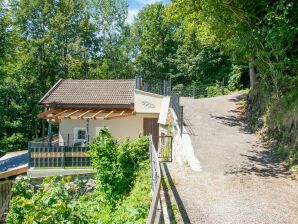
200,91
157,86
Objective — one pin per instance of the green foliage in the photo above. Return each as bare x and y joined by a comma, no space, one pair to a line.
134,208
116,163
263,34
153,45
52,202
42,41
215,90
122,194
234,78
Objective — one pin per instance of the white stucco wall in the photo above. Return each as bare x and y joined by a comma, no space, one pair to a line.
183,150
147,102
131,127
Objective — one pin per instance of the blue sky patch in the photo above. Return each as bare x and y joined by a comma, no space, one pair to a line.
134,7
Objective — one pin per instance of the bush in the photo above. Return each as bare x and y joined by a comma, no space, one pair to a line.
52,202
134,208
122,195
215,90
234,82
116,163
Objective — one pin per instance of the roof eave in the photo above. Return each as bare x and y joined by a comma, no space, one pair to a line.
95,106
41,101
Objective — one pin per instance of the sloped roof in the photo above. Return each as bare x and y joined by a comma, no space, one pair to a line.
91,93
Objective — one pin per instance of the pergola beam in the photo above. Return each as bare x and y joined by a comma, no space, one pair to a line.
45,113
68,116
108,114
122,114
57,115
97,113
81,116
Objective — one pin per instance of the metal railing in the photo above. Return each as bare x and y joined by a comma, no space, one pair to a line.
199,91
157,86
59,156
155,213
165,148
61,140
59,151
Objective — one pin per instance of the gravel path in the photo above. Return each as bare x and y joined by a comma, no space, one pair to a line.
240,182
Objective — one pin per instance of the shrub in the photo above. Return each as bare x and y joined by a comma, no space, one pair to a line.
52,202
116,163
214,90
234,82
122,192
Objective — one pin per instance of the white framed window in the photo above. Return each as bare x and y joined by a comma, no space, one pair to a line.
80,135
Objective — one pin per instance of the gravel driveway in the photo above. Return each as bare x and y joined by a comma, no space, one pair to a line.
240,182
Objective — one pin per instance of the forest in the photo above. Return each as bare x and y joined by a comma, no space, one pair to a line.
249,43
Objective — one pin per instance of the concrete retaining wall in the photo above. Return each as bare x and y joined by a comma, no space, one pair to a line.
183,150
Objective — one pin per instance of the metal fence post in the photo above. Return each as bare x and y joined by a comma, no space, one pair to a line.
194,92
181,119
29,155
223,86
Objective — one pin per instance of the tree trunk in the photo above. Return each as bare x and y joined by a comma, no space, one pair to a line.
252,75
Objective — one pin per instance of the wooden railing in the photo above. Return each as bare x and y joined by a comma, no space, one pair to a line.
5,196
155,213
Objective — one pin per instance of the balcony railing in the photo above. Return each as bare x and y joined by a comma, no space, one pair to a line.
59,151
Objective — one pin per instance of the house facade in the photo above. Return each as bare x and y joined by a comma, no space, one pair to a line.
82,107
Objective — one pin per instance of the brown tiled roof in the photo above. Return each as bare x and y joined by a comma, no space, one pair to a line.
91,93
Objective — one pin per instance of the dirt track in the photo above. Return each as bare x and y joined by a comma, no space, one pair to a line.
240,181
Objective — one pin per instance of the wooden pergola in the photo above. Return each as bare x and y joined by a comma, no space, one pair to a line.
56,114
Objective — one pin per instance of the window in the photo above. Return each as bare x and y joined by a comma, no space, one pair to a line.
80,134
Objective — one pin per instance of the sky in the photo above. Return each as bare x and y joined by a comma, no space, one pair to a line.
135,5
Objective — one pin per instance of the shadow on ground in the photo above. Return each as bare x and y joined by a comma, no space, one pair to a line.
261,163
171,206
259,160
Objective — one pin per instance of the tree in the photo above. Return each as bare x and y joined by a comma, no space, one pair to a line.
113,44
197,63
244,30
153,43
52,40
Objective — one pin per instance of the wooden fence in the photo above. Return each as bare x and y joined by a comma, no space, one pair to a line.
5,196
155,214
